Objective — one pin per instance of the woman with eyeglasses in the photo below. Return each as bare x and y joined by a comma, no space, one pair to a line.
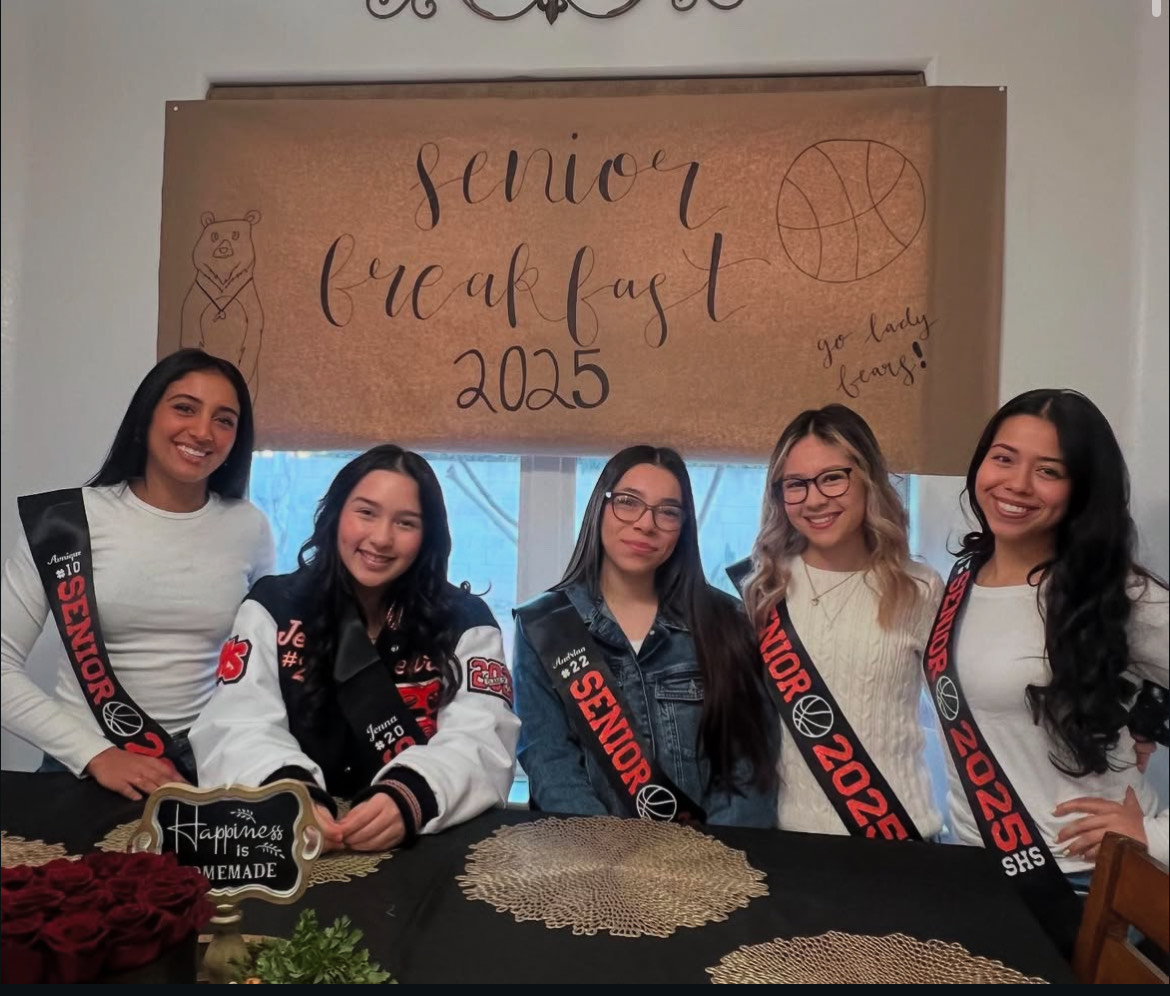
637,683
842,614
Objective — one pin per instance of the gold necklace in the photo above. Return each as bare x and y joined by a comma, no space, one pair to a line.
818,595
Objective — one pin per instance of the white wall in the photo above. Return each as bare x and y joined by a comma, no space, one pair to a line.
84,83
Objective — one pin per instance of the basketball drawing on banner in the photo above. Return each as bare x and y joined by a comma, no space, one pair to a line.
221,312
848,208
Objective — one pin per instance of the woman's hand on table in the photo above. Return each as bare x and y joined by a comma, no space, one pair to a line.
373,825
330,829
131,775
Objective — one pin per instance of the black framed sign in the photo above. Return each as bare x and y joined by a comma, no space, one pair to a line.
250,843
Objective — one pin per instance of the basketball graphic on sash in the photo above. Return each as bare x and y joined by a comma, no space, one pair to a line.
121,719
848,208
947,697
655,803
812,716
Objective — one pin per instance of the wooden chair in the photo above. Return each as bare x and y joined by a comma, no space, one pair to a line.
1129,888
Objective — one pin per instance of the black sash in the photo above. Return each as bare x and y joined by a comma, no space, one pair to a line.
368,696
598,712
852,782
1006,827
57,530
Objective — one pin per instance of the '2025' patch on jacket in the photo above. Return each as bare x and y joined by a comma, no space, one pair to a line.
490,677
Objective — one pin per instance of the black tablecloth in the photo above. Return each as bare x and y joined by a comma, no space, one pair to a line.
420,926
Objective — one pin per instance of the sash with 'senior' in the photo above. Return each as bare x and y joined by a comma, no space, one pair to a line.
598,711
1006,826
57,530
854,785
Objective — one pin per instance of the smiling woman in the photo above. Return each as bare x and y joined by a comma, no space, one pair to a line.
192,433
153,557
365,673
1056,633
832,564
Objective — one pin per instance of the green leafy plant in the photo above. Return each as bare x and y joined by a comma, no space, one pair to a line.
313,954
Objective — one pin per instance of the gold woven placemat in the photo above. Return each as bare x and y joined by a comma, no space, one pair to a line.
18,851
337,866
839,958
602,873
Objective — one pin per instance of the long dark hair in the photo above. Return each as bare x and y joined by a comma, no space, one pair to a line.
1082,590
419,598
126,460
734,722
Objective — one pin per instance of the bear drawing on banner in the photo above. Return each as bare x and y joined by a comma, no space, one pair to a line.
221,312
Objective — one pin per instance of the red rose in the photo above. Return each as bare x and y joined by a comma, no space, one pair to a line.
136,936
22,928
146,865
68,876
176,891
124,890
36,897
201,913
105,864
17,878
176,897
94,897
76,945
20,962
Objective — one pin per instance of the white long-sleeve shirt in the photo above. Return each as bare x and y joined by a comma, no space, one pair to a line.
876,677
167,586
999,652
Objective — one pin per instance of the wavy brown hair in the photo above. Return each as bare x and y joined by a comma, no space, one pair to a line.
885,525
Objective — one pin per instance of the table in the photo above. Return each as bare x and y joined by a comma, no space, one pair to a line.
420,926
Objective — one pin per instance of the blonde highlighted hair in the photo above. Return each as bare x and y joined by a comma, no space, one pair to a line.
885,524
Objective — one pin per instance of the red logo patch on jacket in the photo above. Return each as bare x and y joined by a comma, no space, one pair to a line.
490,677
422,698
233,660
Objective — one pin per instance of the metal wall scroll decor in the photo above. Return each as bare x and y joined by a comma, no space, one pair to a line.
552,9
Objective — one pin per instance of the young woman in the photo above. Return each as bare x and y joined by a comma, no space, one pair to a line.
143,570
365,673
1059,628
670,719
833,564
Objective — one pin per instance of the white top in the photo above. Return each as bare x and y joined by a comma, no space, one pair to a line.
876,677
167,586
999,652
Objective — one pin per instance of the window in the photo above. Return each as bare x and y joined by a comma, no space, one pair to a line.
494,500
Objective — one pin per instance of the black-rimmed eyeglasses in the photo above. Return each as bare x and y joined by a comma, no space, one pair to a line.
630,508
832,483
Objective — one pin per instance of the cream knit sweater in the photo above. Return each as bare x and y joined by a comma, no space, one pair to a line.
876,677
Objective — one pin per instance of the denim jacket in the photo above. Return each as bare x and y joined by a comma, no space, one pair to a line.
664,693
